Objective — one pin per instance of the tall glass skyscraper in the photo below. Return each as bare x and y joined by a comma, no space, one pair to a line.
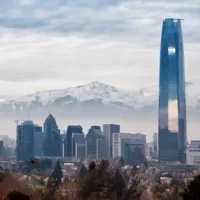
172,105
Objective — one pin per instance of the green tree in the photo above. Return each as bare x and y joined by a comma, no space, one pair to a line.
121,161
92,166
45,163
120,185
134,191
57,173
192,191
102,182
15,195
83,172
3,176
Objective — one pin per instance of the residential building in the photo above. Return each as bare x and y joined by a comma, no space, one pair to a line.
108,131
172,104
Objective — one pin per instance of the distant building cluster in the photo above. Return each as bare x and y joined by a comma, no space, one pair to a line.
35,141
7,148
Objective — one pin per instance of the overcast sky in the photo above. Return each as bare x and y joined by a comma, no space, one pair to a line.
49,44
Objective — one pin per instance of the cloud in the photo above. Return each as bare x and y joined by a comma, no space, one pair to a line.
79,41
98,17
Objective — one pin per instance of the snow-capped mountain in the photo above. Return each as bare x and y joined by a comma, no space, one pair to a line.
93,94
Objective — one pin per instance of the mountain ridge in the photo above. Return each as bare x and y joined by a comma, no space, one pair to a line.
94,94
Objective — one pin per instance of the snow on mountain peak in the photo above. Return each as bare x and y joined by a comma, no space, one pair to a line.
97,90
90,91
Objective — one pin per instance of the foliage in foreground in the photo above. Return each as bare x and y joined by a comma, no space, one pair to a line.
100,181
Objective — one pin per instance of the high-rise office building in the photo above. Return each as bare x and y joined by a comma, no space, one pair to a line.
132,147
100,148
52,139
80,150
38,141
108,130
29,141
172,104
68,139
25,141
78,140
92,140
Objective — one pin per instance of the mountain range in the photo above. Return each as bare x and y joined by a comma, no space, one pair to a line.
92,97
96,103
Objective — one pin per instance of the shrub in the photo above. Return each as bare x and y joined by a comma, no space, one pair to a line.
15,195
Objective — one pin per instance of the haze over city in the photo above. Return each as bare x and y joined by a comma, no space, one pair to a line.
59,45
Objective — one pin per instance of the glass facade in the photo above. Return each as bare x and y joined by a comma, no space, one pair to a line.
172,105
25,141
133,150
92,137
108,130
52,138
155,143
129,146
68,139
134,154
100,148
38,141
77,138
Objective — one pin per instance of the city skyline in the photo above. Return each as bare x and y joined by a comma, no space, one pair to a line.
45,47
54,44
